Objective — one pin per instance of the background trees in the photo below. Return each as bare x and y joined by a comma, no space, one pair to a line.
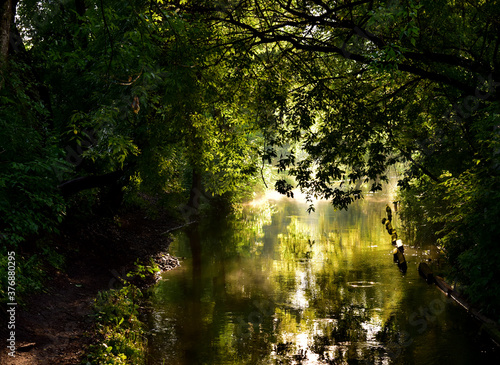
381,82
101,99
133,94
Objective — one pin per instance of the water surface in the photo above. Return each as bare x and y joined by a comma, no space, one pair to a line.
276,285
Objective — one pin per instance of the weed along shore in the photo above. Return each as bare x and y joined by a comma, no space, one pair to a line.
118,333
89,309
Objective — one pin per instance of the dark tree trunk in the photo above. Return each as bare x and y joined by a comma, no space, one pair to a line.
6,16
196,193
111,193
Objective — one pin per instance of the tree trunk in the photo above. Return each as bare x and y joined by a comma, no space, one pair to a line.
6,15
196,193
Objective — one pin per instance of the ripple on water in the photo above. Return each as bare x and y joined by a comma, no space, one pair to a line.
361,284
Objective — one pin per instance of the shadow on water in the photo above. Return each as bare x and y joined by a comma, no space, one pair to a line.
275,285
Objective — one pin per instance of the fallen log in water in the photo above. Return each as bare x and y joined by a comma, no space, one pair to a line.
487,324
452,293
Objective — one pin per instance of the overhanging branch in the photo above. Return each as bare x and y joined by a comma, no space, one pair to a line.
74,186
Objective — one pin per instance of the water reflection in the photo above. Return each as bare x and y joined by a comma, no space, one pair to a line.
275,285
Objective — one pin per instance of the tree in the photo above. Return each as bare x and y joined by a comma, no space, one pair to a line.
5,25
369,84
121,95
131,94
355,67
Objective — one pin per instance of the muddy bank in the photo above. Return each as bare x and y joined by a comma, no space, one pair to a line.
55,326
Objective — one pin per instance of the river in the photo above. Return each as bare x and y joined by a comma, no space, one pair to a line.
276,285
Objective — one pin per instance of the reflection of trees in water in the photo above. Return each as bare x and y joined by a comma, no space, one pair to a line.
343,338
389,332
348,326
293,303
271,285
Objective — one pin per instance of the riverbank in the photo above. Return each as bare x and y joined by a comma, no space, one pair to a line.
56,327
487,324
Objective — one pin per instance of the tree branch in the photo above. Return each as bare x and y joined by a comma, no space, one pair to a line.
74,186
414,62
421,167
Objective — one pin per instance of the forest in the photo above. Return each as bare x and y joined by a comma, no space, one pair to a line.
106,103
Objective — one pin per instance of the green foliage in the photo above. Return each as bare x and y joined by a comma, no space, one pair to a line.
203,113
143,270
461,211
133,86
162,90
31,272
118,330
120,333
31,163
29,203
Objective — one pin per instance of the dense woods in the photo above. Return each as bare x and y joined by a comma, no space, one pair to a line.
102,102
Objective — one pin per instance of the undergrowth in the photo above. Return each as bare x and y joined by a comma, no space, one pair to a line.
31,272
120,336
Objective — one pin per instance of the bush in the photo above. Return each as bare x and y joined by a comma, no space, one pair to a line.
118,330
31,272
